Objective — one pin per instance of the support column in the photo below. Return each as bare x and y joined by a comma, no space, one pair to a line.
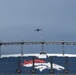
42,48
66,71
19,64
22,47
51,63
63,48
0,49
33,65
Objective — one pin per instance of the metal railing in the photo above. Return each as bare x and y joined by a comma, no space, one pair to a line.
37,74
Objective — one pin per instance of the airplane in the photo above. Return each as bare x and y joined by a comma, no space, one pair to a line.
38,30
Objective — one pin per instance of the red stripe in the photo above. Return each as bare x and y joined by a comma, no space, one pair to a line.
31,61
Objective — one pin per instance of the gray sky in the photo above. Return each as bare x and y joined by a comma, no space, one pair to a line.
19,19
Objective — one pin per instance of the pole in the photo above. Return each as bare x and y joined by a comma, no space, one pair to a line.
21,49
63,48
42,47
0,48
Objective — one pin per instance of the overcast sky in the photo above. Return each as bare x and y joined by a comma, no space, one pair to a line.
19,19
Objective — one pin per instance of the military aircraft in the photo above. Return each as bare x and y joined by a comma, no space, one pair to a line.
38,30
